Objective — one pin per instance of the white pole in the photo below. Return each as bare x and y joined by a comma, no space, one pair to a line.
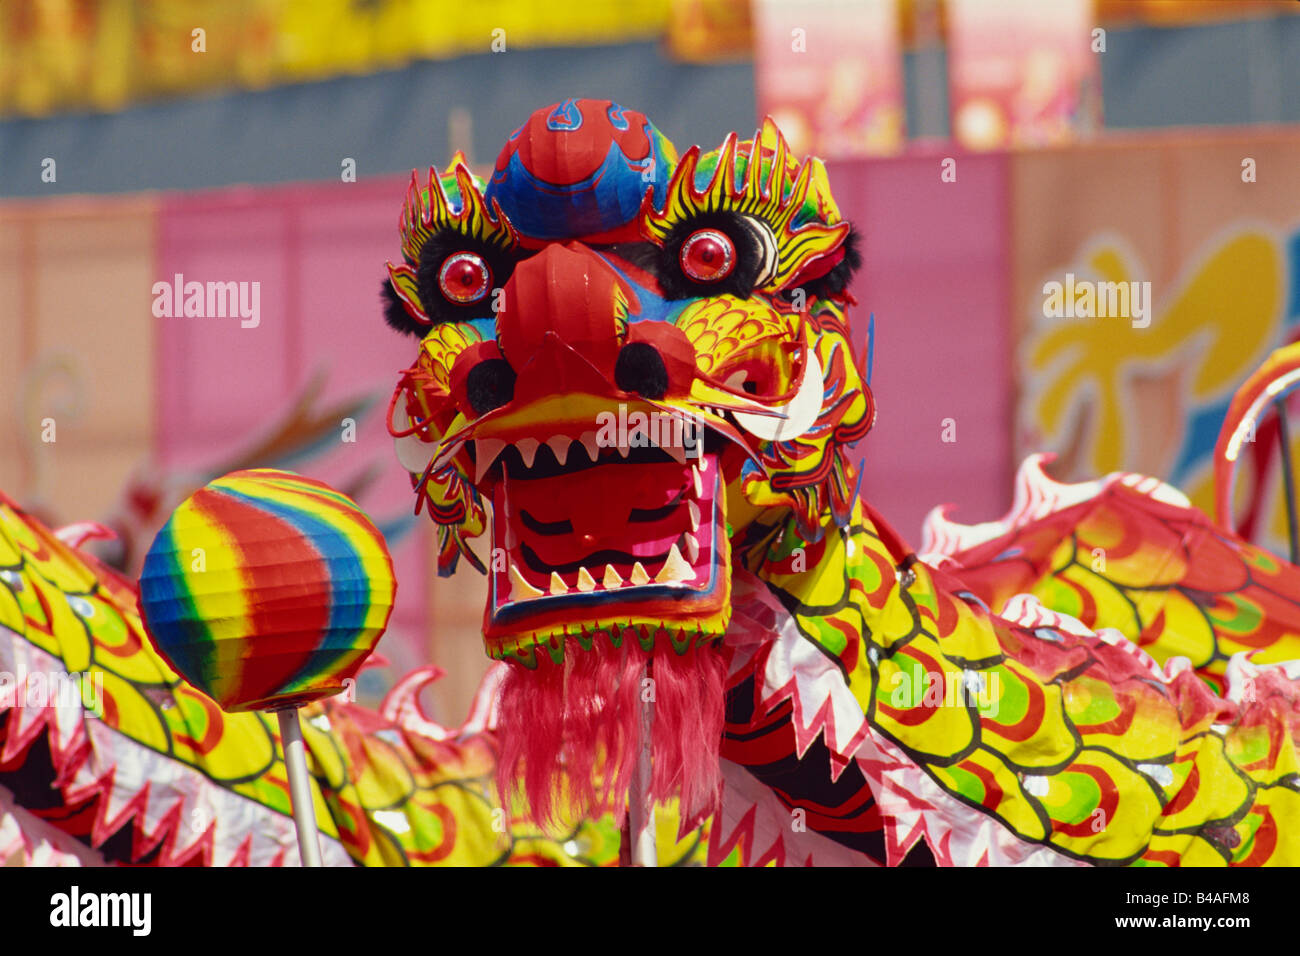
304,811
641,807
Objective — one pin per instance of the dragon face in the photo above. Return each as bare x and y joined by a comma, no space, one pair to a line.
633,370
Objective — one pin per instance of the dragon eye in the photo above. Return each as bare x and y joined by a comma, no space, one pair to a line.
464,278
708,255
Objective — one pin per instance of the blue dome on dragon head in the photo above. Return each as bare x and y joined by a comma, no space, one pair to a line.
579,170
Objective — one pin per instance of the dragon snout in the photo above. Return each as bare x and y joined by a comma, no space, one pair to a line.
568,305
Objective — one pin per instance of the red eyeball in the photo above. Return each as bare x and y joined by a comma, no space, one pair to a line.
708,255
464,278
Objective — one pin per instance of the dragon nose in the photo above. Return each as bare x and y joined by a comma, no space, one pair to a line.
562,326
567,291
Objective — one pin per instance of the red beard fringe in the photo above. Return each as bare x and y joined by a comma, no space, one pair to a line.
570,732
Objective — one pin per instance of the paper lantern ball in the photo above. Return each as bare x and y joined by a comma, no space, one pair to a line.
267,590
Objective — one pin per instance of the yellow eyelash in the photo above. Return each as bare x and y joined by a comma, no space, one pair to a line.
774,199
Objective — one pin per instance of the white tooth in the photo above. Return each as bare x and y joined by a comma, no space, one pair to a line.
507,522
521,590
796,416
702,464
692,547
694,511
486,451
675,568
557,584
528,450
585,581
588,440
612,580
695,481
559,444
638,575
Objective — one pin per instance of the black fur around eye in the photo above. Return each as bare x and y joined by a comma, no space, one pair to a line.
435,254
429,272
740,281
395,314
837,280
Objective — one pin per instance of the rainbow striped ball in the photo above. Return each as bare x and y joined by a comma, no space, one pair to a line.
267,590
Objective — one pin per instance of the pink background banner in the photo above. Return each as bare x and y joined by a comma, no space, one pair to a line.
935,267
307,387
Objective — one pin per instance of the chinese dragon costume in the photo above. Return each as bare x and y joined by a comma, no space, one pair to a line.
1105,676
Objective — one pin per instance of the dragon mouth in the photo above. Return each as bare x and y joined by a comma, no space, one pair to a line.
590,539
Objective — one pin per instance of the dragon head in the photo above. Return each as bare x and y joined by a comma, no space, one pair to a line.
635,370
